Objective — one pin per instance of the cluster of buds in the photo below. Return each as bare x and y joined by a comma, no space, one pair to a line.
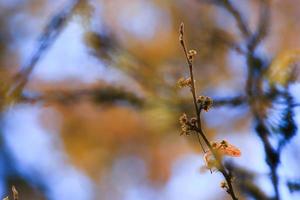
220,149
205,102
224,185
191,54
184,82
187,125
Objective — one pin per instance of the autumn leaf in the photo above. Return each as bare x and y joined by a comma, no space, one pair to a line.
283,67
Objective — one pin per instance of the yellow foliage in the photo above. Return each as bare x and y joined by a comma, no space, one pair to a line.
282,68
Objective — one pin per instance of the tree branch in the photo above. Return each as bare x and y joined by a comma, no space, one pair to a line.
46,39
199,130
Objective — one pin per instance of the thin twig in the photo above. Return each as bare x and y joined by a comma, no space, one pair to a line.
190,64
199,130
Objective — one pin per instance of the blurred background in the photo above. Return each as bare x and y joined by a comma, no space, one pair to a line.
95,106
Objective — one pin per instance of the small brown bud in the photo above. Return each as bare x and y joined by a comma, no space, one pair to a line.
223,185
200,99
191,54
186,125
193,121
224,143
205,102
182,82
213,144
183,119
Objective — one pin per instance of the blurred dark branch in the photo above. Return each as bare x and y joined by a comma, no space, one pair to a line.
287,126
245,182
237,48
230,101
106,95
239,18
263,25
242,100
262,28
256,67
295,104
294,186
256,102
272,155
46,39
